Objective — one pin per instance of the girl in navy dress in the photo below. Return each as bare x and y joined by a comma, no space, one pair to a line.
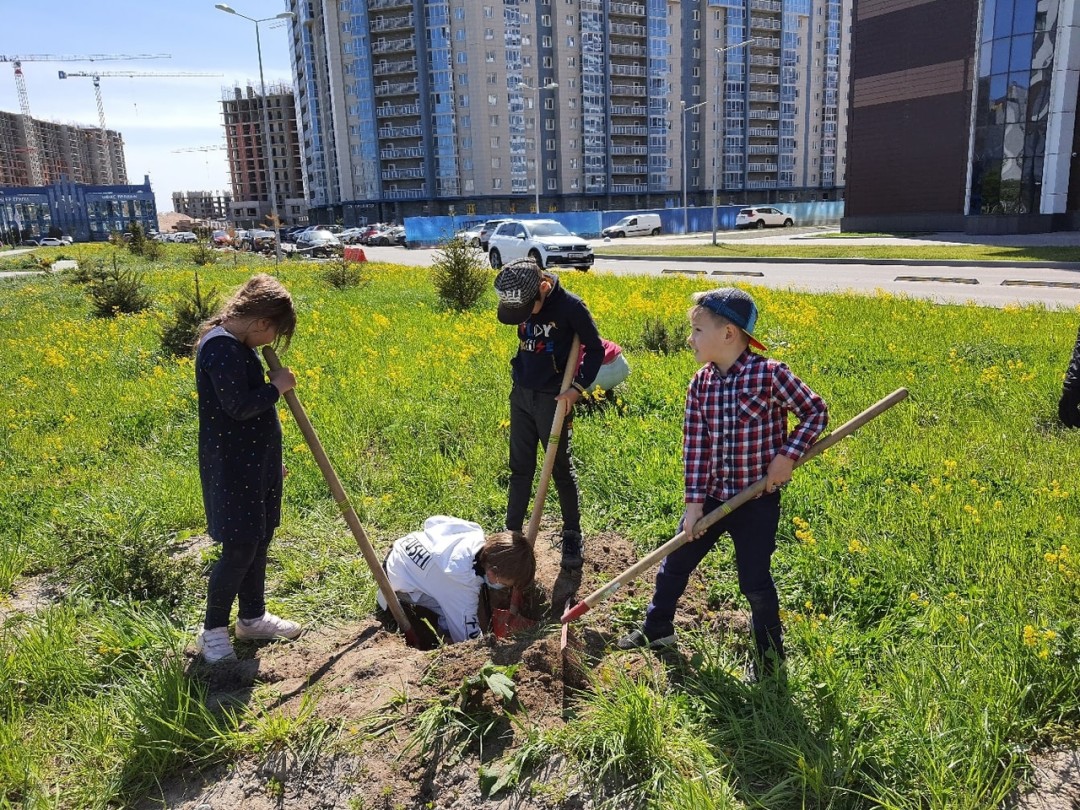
240,459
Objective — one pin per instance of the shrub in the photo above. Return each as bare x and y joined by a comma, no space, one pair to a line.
658,336
119,291
87,271
460,275
178,335
202,255
343,274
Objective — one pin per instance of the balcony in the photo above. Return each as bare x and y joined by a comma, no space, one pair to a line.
626,188
628,29
396,88
761,168
402,152
756,184
626,10
630,168
765,78
406,193
403,174
769,115
628,70
774,6
763,132
385,68
765,61
771,98
393,45
617,49
628,90
377,5
395,110
625,109
629,130
766,42
405,22
763,149
629,150
401,132
764,24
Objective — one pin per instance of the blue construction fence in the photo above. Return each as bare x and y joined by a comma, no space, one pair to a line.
428,231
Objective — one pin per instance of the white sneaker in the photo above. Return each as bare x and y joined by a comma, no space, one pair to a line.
214,645
267,627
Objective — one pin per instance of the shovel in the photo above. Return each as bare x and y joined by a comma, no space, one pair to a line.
342,501
504,621
726,508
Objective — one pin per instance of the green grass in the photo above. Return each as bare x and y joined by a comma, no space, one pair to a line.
746,250
927,566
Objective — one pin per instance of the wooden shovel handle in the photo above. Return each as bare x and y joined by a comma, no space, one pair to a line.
727,507
342,500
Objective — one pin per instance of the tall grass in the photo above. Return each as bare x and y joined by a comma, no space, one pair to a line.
927,566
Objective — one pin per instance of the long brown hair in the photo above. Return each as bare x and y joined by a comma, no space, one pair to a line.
262,296
510,557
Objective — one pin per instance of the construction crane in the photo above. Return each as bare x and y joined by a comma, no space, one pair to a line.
106,152
33,154
214,148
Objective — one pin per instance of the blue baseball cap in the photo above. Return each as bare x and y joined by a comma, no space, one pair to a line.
734,305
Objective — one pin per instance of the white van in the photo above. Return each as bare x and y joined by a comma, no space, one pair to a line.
634,225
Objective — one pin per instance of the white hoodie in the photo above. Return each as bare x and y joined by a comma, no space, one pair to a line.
433,568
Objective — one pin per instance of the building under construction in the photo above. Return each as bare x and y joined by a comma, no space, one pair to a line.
207,205
243,113
66,151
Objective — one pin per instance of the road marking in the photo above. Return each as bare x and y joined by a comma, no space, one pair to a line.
754,273
940,279
1020,282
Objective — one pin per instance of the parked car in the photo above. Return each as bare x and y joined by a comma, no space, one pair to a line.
545,240
470,236
487,229
763,217
390,236
350,236
187,237
319,242
634,225
50,241
260,240
370,231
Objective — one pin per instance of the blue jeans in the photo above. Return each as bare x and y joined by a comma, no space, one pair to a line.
531,416
753,531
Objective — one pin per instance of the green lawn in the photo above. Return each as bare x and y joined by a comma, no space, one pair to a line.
927,567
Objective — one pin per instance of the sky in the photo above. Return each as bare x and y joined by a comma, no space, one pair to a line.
155,115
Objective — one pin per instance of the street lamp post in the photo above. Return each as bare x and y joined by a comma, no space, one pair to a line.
268,157
539,131
685,203
717,123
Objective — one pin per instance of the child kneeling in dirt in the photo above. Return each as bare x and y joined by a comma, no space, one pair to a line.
445,568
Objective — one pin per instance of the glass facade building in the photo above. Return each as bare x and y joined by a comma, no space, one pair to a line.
85,213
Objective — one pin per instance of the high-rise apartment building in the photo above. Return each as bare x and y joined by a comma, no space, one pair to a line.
475,106
243,118
66,151
963,116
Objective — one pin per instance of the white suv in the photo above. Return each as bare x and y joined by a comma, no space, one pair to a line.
546,241
762,217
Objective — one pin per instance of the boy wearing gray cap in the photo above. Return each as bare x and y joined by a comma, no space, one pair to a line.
734,433
547,318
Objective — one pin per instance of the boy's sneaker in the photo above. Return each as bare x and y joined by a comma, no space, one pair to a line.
636,640
214,645
268,626
572,546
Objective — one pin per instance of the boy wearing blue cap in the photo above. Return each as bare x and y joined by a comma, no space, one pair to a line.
734,433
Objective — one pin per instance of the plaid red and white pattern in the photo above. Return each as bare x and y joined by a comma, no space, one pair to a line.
736,423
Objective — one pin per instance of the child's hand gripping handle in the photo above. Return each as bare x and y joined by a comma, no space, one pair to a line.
342,501
728,506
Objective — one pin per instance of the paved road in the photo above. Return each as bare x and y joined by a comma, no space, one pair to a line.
993,286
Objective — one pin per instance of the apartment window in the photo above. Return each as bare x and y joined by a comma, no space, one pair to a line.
545,41
549,104
489,12
552,184
493,120
549,124
459,13
489,56
496,183
547,62
470,185
549,144
462,58
494,142
489,33
492,99
545,20
571,61
496,163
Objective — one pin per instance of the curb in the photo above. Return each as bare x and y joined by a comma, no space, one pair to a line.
1025,265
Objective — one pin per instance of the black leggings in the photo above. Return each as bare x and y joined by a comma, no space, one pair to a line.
239,574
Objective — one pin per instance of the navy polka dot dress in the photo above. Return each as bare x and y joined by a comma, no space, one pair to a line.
239,440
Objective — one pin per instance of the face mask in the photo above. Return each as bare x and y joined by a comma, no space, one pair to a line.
495,586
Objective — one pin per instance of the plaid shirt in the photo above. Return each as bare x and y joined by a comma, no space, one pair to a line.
736,423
